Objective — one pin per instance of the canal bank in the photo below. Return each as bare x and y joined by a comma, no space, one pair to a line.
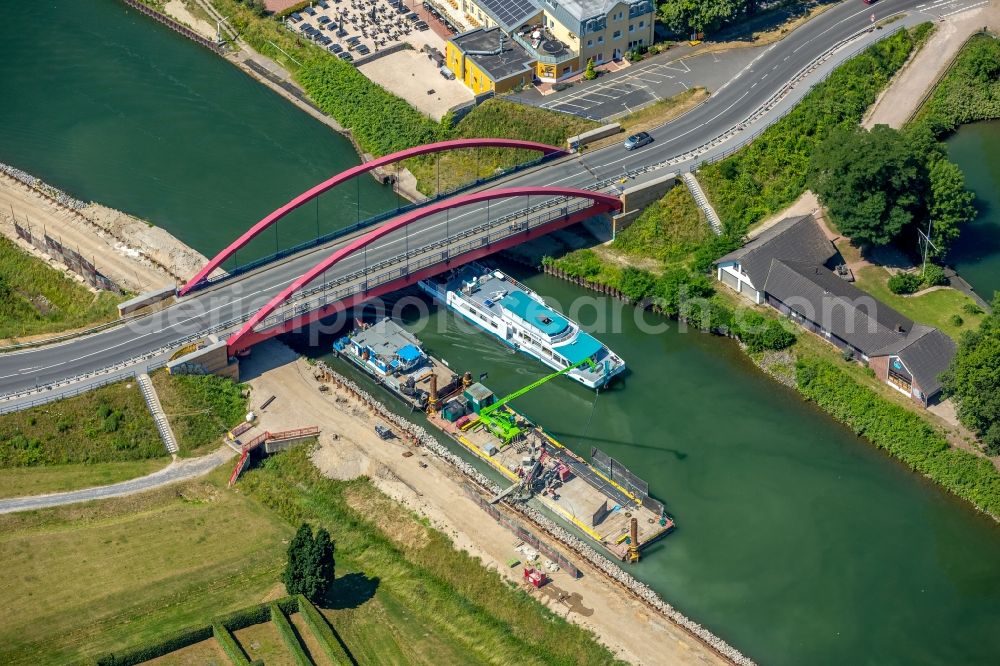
798,542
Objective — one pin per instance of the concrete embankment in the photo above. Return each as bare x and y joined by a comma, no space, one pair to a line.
417,436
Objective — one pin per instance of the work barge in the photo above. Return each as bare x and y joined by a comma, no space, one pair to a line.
600,498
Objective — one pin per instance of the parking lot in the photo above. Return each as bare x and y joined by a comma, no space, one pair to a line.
355,29
637,86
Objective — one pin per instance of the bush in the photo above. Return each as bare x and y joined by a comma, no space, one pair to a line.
955,320
934,276
972,309
848,355
760,333
904,283
245,617
901,433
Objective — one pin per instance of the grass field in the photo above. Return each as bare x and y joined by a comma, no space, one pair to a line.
18,481
262,641
36,298
933,308
108,424
200,408
668,230
90,578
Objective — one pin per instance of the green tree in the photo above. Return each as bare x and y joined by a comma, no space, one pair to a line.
310,566
950,204
974,379
590,73
870,182
683,17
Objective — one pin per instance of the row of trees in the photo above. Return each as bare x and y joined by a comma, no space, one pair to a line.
683,17
974,379
882,186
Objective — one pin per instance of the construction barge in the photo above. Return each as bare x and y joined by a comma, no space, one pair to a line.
602,498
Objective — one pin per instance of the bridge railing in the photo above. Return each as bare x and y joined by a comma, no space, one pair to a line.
487,233
367,222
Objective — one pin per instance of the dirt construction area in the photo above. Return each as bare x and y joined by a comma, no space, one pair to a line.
350,448
415,77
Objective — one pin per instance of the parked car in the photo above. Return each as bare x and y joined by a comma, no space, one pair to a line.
421,26
638,141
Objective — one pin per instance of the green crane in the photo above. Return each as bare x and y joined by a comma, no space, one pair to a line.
501,422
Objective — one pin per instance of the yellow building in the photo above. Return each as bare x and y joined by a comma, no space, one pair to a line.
562,35
488,60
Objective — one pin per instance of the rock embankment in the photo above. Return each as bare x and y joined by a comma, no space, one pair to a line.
418,436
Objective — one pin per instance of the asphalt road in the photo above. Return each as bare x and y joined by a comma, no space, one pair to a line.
179,470
151,336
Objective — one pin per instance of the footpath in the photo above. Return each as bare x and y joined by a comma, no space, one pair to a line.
908,90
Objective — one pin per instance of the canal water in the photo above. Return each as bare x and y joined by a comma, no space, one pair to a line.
976,254
797,541
100,101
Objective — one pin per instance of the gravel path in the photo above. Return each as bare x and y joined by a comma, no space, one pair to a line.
179,470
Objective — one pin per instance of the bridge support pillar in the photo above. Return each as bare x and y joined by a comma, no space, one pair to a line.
636,198
212,359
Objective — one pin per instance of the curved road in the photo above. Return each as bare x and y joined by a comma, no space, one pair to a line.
148,338
178,470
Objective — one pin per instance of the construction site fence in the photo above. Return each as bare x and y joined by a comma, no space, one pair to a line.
55,249
624,477
523,533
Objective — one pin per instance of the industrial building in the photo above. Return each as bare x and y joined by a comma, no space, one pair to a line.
545,40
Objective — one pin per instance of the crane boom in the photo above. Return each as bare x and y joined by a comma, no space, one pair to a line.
518,393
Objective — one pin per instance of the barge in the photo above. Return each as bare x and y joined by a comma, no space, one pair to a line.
395,359
520,318
601,498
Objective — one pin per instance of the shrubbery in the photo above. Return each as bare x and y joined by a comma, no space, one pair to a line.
152,650
288,636
904,283
970,90
229,645
901,432
934,276
770,173
974,379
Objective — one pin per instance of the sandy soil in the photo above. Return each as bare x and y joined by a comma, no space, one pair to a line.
806,204
350,448
906,92
177,10
123,263
412,75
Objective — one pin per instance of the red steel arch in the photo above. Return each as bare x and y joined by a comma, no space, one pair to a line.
343,176
247,337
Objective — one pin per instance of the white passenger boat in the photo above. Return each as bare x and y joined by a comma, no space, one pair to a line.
499,304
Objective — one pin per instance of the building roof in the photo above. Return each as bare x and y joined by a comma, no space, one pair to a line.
545,319
386,338
926,353
509,14
793,239
859,319
496,60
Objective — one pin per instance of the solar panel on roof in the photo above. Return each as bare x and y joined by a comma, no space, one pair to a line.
510,13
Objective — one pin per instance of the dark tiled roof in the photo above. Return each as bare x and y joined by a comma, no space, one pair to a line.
792,239
497,59
926,353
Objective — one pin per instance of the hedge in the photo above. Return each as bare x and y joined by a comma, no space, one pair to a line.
288,636
901,433
152,650
324,633
234,621
229,645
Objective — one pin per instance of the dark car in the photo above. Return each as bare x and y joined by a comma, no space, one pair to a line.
638,141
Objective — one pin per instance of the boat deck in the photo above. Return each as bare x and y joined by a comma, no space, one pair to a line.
447,380
580,500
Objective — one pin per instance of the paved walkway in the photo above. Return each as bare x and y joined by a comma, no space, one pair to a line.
178,470
907,92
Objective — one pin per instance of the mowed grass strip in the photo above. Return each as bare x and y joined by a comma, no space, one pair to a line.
36,298
20,481
87,579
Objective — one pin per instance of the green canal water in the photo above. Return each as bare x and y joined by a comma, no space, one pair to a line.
102,102
797,541
976,254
